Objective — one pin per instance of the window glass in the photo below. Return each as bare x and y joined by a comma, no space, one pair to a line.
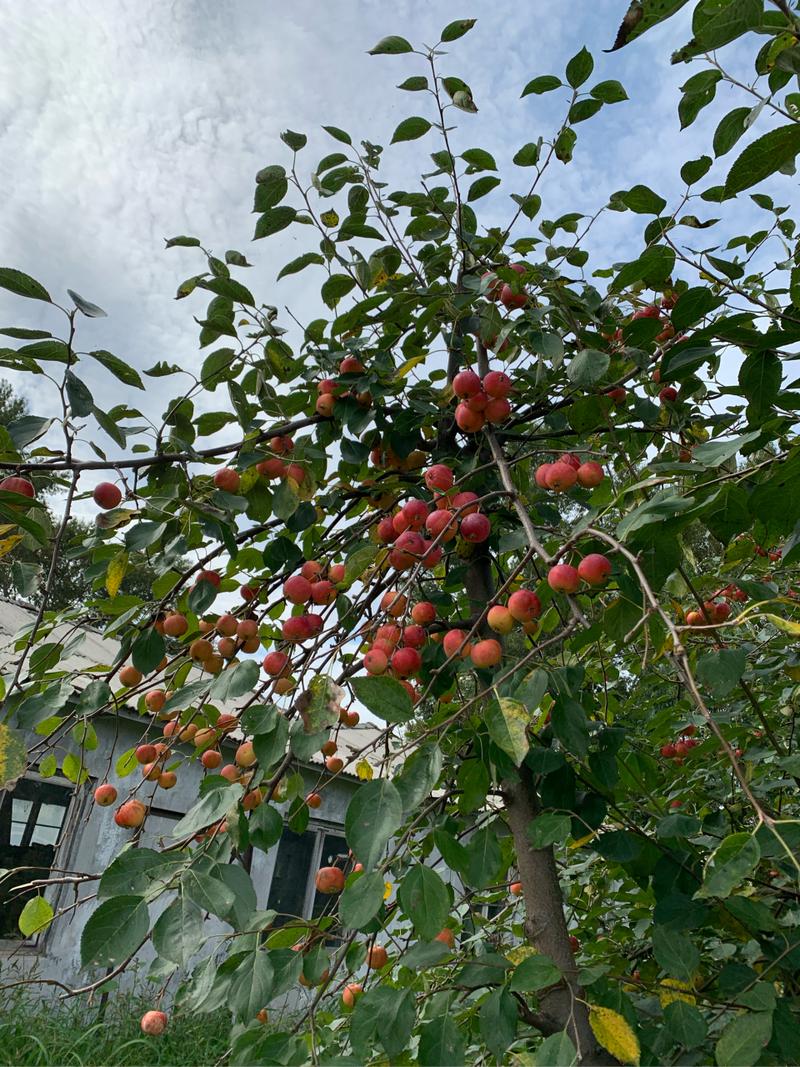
31,819
287,892
334,847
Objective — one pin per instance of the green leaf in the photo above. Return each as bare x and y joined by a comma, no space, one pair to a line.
610,92
178,932
114,931
338,135
582,110
415,84
251,986
731,21
695,169
549,829
685,1024
498,1022
507,722
588,367
730,129
760,380
678,826
410,129
361,901
136,870
653,267
388,1010
205,884
642,200
579,68
528,156
28,429
271,187
182,242
22,284
558,1049
655,510
391,46
148,650
733,861
675,953
301,263
35,916
565,144
265,827
483,857
295,141
481,187
720,671
273,221
383,696
424,898
743,1040
479,159
419,776
452,32
763,157
570,726
440,1041
545,83
210,808
713,453
337,286
693,305
535,972
374,815
118,367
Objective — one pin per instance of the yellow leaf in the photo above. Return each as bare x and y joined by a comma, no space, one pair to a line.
387,890
614,1033
13,756
116,572
519,953
9,542
329,218
364,770
788,627
409,364
583,840
669,993
6,527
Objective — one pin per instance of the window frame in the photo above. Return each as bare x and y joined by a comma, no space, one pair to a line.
65,842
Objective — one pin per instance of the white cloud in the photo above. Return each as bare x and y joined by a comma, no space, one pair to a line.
126,122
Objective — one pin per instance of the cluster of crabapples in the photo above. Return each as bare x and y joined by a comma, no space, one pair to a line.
682,746
568,470
481,400
329,390
451,514
713,612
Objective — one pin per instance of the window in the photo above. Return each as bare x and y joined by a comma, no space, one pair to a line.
31,818
299,857
288,890
334,848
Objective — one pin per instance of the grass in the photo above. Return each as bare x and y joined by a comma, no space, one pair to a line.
39,1033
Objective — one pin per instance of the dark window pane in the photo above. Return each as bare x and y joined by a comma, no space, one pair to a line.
287,893
30,825
334,848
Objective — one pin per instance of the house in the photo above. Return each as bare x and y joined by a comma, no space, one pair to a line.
51,829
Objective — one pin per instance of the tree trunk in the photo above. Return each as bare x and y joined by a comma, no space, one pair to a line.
545,925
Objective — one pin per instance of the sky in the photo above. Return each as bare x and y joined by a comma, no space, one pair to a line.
124,123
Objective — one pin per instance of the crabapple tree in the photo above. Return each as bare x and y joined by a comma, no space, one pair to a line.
532,512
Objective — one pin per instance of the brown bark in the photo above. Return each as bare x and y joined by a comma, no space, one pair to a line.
545,925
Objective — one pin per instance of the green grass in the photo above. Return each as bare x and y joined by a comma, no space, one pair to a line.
74,1034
